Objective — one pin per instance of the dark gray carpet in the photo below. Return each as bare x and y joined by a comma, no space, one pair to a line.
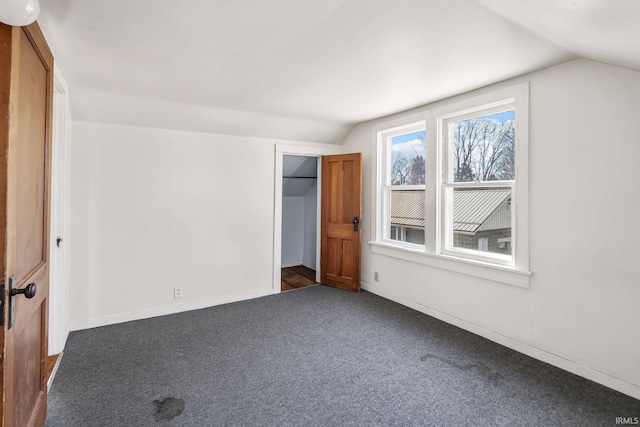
314,357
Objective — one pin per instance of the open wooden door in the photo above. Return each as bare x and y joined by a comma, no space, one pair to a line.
340,221
26,94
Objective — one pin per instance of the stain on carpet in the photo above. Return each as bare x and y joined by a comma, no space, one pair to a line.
481,369
168,408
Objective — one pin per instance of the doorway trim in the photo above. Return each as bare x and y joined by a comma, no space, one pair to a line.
59,257
295,150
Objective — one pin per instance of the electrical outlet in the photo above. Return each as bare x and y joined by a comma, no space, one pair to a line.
177,293
376,277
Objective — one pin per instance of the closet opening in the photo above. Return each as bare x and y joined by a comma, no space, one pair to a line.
299,222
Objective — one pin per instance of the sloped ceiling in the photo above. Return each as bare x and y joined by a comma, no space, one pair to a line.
299,174
299,167
289,69
600,30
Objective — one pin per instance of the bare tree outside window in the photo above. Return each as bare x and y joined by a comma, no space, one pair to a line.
400,169
483,148
408,154
406,192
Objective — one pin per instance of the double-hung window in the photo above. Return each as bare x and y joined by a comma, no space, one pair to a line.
478,186
452,185
402,184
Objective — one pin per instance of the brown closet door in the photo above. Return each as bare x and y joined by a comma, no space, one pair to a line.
340,221
26,84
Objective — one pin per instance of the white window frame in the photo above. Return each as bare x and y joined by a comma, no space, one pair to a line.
448,185
383,183
516,272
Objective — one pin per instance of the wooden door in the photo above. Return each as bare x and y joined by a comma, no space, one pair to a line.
26,93
340,221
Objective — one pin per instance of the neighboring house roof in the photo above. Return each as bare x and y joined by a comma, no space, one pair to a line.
408,208
471,208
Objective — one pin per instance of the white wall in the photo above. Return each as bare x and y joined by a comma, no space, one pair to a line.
80,193
293,230
157,209
310,226
582,310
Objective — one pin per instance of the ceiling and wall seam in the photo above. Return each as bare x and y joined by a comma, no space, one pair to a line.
296,70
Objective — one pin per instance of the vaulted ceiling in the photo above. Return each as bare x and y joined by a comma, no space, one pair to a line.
306,69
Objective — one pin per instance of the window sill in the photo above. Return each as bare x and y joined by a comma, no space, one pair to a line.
496,273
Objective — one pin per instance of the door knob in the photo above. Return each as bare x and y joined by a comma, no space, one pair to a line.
29,291
355,222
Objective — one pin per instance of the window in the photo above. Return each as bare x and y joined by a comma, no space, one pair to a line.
479,180
452,186
402,184
483,244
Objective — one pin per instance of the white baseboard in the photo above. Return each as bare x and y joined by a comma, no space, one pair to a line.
297,263
291,264
309,265
617,384
65,337
163,311
57,346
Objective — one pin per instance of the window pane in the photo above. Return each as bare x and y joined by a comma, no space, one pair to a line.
482,219
415,235
407,215
483,148
408,153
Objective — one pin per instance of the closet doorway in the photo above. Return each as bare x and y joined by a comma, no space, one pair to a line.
299,222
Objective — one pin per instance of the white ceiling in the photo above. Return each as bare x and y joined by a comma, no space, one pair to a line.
601,30
307,69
